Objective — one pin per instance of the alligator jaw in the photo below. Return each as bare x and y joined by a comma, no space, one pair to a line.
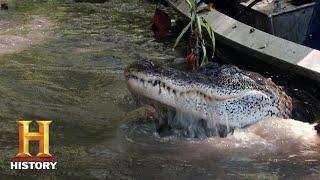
206,99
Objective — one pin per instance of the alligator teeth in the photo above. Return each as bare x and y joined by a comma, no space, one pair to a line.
145,84
155,82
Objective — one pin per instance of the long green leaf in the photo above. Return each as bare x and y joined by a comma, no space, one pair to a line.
196,23
189,3
211,35
199,25
204,54
185,29
193,4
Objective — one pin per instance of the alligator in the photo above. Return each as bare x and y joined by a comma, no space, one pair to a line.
214,96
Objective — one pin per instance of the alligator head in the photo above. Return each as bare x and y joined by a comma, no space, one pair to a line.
218,94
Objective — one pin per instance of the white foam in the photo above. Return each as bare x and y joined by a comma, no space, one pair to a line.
271,135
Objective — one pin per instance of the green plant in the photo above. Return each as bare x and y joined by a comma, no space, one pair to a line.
196,24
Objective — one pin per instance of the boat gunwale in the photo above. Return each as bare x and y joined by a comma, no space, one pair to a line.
289,55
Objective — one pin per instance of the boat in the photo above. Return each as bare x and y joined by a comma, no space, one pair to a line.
262,37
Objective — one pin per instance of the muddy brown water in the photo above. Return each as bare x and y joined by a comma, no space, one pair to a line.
63,61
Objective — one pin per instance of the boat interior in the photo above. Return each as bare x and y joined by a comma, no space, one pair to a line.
276,17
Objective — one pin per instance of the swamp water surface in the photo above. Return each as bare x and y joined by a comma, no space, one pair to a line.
64,61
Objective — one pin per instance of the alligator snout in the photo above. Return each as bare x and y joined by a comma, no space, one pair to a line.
219,95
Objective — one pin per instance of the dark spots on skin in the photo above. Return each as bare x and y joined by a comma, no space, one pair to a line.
224,79
271,113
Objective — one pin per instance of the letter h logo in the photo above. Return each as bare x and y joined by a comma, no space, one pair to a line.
25,136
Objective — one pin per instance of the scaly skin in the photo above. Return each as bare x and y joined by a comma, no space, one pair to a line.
219,94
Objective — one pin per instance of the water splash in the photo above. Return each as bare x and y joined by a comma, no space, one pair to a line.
175,121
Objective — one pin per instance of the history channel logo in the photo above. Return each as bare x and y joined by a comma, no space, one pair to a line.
24,160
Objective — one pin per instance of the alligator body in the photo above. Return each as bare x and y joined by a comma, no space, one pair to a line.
219,95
